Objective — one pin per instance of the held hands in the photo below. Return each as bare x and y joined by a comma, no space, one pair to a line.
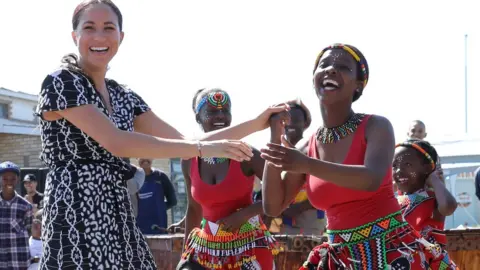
263,120
286,157
277,124
232,149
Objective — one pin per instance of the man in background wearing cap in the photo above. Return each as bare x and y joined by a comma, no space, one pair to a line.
15,220
33,196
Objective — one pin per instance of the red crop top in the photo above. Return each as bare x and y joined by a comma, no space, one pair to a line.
220,200
347,208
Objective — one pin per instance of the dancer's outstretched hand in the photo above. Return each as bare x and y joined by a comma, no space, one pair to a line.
285,157
263,119
236,150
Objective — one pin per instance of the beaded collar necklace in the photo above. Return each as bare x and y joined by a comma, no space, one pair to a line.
332,135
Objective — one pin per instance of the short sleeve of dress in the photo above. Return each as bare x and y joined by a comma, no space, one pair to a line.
64,89
139,105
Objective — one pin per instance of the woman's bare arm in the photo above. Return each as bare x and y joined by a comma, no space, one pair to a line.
194,214
151,124
378,160
135,145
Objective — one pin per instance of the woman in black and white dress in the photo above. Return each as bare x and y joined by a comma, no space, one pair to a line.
88,123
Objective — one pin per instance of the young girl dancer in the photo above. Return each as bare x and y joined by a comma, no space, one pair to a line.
347,166
425,201
231,233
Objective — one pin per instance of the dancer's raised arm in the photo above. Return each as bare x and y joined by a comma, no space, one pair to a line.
149,123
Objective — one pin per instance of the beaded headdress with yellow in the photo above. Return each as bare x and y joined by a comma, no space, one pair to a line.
355,53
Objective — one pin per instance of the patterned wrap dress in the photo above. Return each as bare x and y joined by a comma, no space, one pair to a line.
87,221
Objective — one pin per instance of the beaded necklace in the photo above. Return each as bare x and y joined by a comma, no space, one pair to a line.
214,160
332,135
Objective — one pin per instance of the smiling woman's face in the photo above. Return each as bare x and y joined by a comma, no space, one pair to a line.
335,78
215,112
98,36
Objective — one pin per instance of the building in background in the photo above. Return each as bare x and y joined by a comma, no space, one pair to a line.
460,158
178,182
19,133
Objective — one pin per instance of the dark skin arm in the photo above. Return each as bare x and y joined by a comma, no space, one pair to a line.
194,212
368,177
278,189
253,167
170,196
234,221
446,203
149,123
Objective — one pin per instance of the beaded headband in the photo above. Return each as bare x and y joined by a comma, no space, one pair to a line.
361,61
419,149
216,99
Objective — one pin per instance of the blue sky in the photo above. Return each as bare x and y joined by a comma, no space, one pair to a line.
262,52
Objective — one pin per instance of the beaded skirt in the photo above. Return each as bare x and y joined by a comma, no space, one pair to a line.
387,243
251,247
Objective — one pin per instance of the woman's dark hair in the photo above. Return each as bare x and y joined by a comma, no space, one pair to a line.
71,59
362,64
85,4
298,104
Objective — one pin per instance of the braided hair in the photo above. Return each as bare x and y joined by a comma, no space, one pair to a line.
427,151
363,72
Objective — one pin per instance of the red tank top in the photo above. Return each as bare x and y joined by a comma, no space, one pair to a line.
220,200
347,208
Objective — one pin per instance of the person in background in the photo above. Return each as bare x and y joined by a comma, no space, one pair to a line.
32,196
417,130
134,183
15,220
155,197
300,217
35,242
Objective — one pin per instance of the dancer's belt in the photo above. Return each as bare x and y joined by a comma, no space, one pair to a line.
368,231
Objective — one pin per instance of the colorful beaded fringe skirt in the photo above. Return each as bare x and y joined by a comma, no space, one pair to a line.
252,247
387,243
